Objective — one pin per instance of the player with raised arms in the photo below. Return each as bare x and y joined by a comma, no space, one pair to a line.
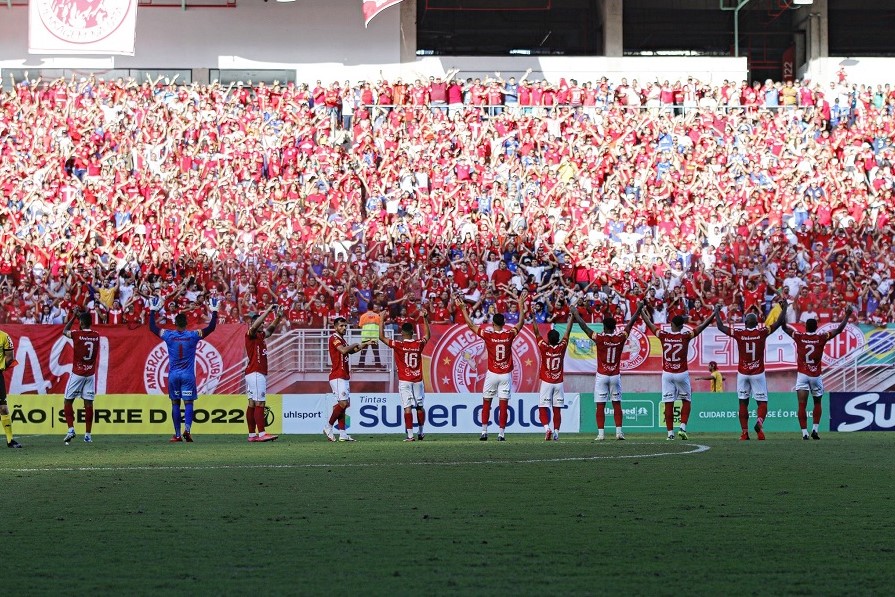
553,354
82,379
182,345
339,376
610,345
675,376
499,346
409,360
256,372
751,380
809,358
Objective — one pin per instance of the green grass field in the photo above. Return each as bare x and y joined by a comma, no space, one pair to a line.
450,515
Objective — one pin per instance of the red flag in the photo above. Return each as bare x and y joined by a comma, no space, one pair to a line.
374,7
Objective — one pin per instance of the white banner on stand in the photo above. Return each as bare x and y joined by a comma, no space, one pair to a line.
82,27
445,413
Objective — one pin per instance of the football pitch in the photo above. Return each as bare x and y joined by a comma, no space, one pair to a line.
450,515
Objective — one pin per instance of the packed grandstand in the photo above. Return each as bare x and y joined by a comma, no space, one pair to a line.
338,198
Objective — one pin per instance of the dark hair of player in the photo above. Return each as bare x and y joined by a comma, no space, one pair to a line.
407,328
609,323
498,319
180,321
678,321
811,325
339,320
84,320
553,337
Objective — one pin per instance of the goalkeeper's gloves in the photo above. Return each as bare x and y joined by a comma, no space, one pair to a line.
214,303
155,303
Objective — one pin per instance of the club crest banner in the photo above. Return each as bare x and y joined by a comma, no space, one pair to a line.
129,361
82,27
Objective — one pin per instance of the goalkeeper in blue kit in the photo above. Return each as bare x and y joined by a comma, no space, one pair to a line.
181,345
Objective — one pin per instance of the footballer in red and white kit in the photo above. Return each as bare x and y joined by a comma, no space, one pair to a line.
553,354
751,380
82,379
339,374
409,361
809,360
256,373
675,376
498,380
610,345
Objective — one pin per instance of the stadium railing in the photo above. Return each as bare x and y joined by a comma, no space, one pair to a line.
866,369
303,355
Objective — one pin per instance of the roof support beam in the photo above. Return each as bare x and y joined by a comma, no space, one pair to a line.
736,23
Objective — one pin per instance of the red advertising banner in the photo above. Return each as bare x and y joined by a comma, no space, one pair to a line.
454,360
643,352
129,362
457,362
372,8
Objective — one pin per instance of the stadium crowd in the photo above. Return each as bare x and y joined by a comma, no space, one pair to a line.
339,199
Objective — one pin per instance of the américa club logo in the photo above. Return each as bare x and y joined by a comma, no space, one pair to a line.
460,362
83,21
636,350
209,368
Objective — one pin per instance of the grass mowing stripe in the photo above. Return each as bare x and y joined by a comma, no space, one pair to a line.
778,517
697,449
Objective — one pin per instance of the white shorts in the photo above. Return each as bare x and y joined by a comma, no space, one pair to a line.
815,385
340,389
497,384
80,386
256,387
675,386
755,386
606,385
412,393
551,394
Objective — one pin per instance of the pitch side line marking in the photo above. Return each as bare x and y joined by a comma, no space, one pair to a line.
697,449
